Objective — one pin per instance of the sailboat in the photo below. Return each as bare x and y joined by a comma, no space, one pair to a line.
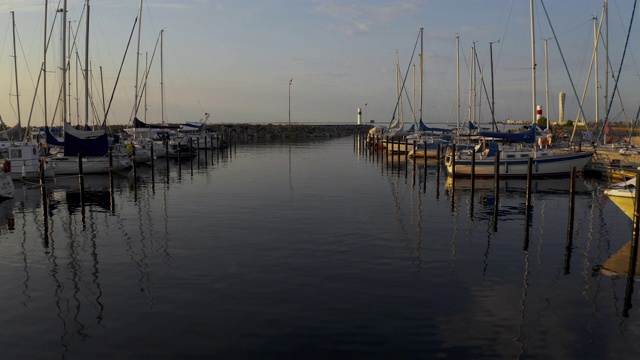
25,157
198,135
92,147
513,159
419,133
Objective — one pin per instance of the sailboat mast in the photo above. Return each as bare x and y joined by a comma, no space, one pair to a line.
161,75
546,79
458,78
44,62
399,89
606,55
138,58
86,71
15,64
64,62
595,54
413,111
493,98
421,69
471,80
533,63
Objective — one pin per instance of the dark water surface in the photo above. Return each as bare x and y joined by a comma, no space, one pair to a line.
311,250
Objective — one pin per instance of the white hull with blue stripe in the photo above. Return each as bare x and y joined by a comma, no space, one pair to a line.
513,163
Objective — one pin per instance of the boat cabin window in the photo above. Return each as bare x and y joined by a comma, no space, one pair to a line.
15,154
510,156
524,155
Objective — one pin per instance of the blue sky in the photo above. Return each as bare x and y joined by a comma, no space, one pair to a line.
234,59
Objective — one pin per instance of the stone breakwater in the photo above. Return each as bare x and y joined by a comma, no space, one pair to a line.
269,131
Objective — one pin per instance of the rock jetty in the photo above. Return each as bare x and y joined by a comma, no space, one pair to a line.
294,131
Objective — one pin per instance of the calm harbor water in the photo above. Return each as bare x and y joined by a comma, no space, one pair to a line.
311,250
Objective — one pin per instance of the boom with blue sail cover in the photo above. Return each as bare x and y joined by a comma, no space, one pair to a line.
528,136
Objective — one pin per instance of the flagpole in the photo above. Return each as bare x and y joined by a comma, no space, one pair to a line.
290,81
365,112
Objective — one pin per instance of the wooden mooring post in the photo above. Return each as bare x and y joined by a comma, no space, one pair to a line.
633,256
453,168
399,154
473,184
135,167
527,213
206,153
45,205
81,181
473,173
386,149
425,155
179,159
166,154
438,161
153,171
406,157
111,194
496,191
198,152
415,146
406,152
191,155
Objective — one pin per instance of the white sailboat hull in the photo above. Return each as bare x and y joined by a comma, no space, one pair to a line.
65,165
548,165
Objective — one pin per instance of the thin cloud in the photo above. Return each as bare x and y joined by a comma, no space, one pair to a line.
353,19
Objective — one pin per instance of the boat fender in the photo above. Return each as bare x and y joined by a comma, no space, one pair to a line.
543,142
6,166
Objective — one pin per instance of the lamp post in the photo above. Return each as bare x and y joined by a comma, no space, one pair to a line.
365,113
290,81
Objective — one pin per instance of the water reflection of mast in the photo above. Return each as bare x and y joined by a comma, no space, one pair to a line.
165,204
541,237
25,291
487,250
586,269
290,179
525,286
418,222
95,271
58,286
145,279
395,191
454,210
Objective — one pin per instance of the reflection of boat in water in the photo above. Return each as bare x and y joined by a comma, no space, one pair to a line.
6,214
538,186
92,198
618,263
97,193
622,194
